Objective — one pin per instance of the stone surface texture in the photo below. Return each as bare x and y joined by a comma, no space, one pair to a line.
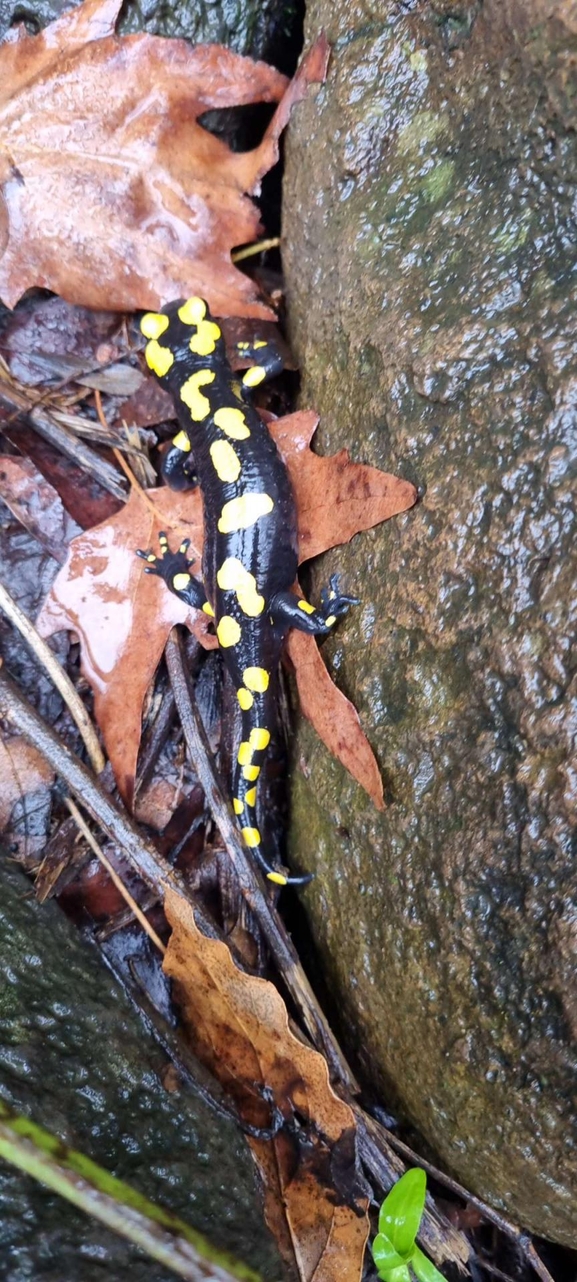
75,1058
430,210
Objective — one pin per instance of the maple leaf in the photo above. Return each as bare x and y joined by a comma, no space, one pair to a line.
124,616
239,1028
111,193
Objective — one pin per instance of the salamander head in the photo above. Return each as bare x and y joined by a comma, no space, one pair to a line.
183,331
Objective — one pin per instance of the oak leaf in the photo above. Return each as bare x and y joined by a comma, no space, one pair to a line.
123,616
111,193
238,1026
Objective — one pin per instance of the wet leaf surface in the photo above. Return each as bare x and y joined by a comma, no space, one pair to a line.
25,781
36,504
114,196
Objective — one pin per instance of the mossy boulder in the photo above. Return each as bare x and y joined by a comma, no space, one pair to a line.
430,258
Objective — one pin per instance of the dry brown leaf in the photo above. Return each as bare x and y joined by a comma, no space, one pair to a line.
111,193
239,1028
123,616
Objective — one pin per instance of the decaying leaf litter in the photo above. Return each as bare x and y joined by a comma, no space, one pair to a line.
162,223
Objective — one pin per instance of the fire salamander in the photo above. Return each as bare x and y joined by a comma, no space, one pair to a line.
250,549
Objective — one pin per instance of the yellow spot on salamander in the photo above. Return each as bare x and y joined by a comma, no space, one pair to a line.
245,699
255,375
306,607
237,806
182,442
158,358
244,753
151,557
228,631
154,324
251,773
256,679
193,311
205,339
251,836
244,511
331,619
233,422
278,878
226,461
180,582
190,393
232,577
250,797
260,342
259,739
207,609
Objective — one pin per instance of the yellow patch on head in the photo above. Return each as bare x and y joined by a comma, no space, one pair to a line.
182,442
255,375
278,878
245,699
237,806
244,511
226,462
232,577
233,422
193,311
306,607
256,679
251,836
250,797
158,358
244,753
207,609
259,739
228,631
260,342
190,393
204,341
180,582
251,773
154,324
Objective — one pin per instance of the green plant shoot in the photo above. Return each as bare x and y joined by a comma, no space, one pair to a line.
395,1246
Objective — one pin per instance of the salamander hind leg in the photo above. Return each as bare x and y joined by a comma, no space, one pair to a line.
174,568
290,611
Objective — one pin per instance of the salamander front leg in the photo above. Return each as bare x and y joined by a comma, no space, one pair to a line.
174,568
290,611
267,358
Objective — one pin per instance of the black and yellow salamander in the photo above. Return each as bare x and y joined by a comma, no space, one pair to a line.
250,549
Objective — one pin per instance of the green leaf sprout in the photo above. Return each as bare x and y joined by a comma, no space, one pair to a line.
395,1247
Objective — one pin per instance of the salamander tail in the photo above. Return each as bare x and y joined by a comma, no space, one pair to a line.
255,741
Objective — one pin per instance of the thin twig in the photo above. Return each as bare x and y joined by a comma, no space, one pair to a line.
134,483
141,854
57,675
118,882
258,247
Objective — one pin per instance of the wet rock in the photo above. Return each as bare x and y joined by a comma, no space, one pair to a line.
75,1058
430,255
